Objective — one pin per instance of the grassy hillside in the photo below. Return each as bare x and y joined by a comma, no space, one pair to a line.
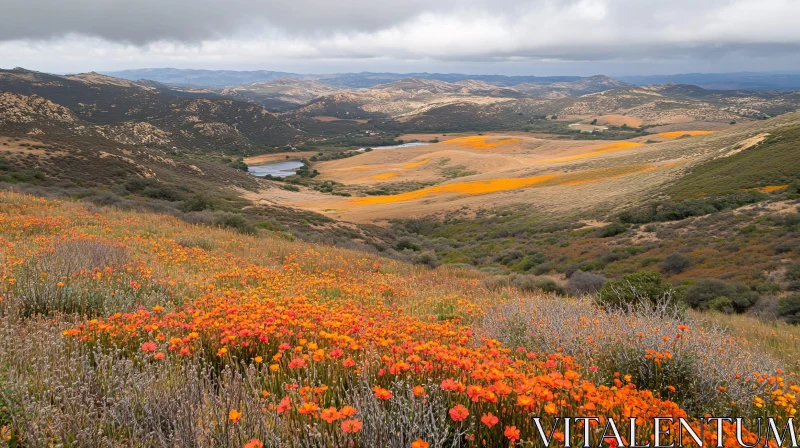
121,328
774,162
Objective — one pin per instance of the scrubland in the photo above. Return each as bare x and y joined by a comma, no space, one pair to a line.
128,329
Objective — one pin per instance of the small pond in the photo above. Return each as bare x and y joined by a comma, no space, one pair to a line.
278,169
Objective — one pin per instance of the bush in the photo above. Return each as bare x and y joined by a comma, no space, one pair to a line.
793,277
676,211
428,258
529,262
534,283
549,285
239,165
197,203
633,289
585,283
714,294
789,309
675,264
234,221
527,283
611,230
405,243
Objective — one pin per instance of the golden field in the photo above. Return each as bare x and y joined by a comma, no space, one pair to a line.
472,172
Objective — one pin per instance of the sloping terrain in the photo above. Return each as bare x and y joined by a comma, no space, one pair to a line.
190,123
556,177
575,88
420,105
280,94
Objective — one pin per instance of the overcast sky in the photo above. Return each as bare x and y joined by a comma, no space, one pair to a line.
539,37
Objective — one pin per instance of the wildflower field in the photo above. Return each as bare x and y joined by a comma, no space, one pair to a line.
479,187
678,134
480,142
127,329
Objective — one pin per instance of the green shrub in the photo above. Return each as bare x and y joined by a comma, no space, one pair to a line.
707,294
793,277
585,283
197,203
428,258
789,309
612,229
239,165
405,243
676,211
675,263
234,221
639,287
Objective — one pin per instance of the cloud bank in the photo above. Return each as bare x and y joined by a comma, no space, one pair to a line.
239,33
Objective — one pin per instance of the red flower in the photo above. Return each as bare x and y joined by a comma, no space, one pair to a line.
284,405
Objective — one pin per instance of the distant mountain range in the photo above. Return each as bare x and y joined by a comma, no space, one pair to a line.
225,78
723,81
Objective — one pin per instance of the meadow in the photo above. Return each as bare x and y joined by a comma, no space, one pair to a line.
120,328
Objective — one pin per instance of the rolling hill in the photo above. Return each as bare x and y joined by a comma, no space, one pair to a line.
193,124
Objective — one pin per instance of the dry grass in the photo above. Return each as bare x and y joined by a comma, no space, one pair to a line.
776,339
619,120
596,151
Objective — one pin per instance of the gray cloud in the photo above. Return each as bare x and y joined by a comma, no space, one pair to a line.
243,32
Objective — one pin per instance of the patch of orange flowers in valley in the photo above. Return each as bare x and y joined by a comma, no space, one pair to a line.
416,164
384,176
469,188
480,142
676,134
318,323
771,188
477,187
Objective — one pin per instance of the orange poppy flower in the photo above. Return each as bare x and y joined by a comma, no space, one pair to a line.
459,413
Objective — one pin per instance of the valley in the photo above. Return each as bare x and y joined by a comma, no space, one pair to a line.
501,176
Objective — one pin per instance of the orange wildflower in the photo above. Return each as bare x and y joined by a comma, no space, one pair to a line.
459,413
419,443
308,408
489,419
284,405
382,393
512,433
352,426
